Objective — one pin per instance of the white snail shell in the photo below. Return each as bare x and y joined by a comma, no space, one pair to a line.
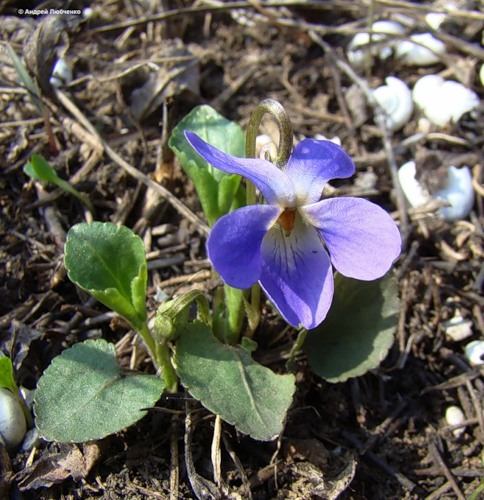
426,51
358,51
475,352
396,100
415,193
458,193
13,425
443,101
61,74
435,19
334,140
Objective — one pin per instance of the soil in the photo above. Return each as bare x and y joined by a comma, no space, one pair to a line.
380,436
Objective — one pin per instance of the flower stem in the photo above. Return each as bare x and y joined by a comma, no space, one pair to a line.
301,337
279,114
160,355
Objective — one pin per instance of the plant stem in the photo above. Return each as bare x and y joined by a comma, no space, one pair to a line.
168,372
160,355
301,337
279,114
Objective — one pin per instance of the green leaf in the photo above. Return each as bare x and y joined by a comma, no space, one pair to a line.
84,395
358,331
109,262
216,189
27,81
7,379
40,169
228,382
227,190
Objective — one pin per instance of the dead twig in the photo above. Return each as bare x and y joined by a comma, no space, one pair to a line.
134,172
380,120
203,488
437,457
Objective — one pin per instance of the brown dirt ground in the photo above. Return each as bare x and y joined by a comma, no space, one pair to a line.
387,427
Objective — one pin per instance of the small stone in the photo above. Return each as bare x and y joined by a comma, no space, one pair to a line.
458,328
31,439
455,416
13,425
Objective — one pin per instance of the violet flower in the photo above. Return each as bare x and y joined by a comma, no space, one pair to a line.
284,244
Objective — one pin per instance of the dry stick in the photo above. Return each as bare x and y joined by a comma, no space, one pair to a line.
380,120
203,488
134,172
398,476
437,457
477,405
343,107
207,9
174,464
216,454
315,4
245,488
234,87
430,8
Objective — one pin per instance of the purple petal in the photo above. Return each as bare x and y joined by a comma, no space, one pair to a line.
312,164
296,274
362,239
273,183
234,243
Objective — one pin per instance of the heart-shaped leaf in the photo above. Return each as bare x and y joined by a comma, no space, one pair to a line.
359,330
228,382
216,189
109,262
84,395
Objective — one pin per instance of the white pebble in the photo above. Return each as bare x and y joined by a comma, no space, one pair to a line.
458,328
31,439
13,425
475,352
87,12
396,100
455,416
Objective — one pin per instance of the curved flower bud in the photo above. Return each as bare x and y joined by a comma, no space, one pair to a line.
284,245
